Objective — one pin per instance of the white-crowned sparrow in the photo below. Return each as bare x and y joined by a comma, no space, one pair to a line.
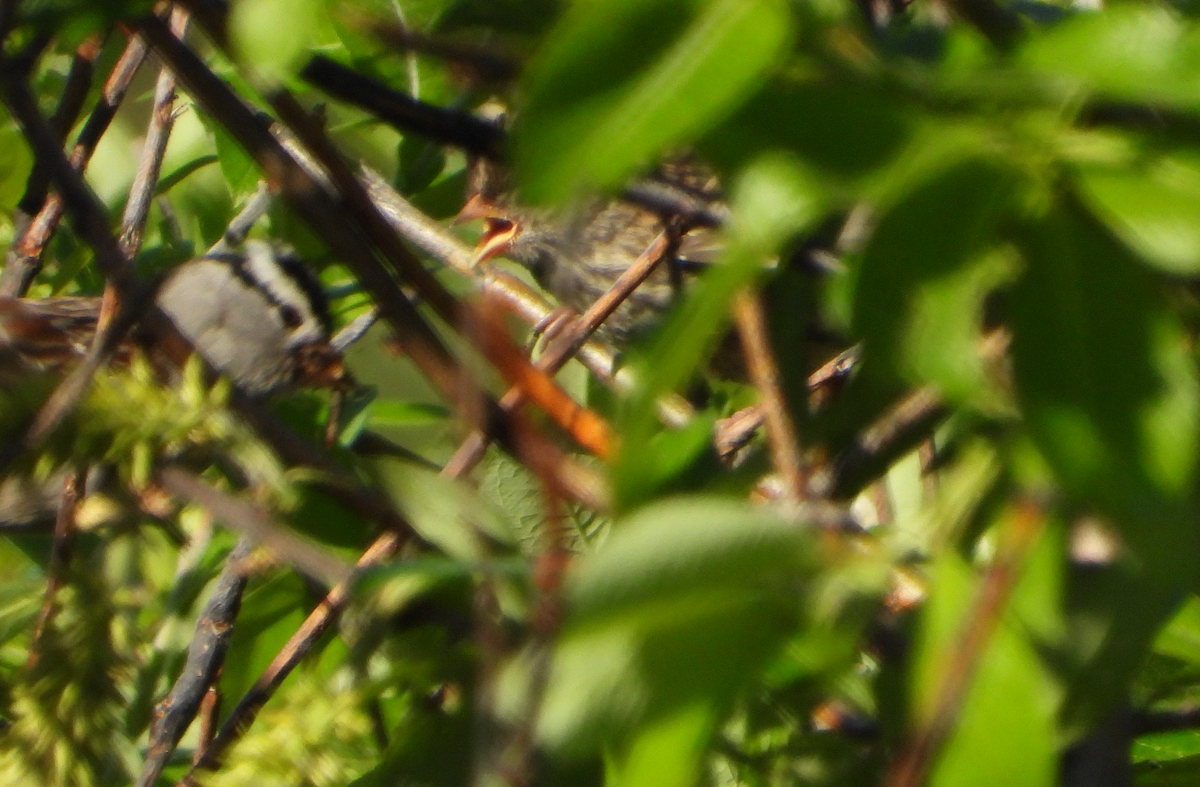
257,315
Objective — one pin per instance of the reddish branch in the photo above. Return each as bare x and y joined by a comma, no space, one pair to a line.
912,764
764,373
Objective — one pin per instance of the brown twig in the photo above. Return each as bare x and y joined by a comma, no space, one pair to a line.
764,372
911,765
375,226
162,119
537,386
60,557
896,433
565,346
205,656
19,267
210,714
300,644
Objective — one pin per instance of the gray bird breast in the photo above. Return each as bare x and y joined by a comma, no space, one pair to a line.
231,324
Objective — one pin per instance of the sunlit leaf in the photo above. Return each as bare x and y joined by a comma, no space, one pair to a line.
1130,51
274,37
618,82
1154,208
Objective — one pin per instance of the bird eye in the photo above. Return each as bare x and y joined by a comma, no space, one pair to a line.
291,316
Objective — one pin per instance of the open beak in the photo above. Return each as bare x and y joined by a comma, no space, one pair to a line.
499,232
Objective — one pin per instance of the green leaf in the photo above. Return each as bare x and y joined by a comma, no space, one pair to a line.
421,161
1133,51
685,602
270,614
274,37
14,166
395,412
168,181
1183,772
860,129
1168,747
1181,637
667,752
238,167
925,272
1153,207
1108,387
617,82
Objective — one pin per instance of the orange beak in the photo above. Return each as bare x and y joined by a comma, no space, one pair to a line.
498,231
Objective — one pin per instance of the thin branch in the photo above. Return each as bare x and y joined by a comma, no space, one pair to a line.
764,372
239,228
25,255
60,557
205,656
210,713
20,267
253,523
300,644
376,227
911,765
407,114
563,349
162,119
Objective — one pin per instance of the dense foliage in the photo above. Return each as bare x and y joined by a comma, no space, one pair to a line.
965,550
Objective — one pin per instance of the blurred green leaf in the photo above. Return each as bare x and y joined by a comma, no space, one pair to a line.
861,128
421,161
1181,637
274,37
1108,386
678,609
1164,747
394,412
1182,772
1130,51
15,166
238,167
774,198
1154,207
618,82
924,274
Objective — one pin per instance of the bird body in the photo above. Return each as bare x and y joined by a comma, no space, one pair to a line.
578,253
257,316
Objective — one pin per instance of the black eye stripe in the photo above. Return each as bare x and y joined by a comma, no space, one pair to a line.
292,315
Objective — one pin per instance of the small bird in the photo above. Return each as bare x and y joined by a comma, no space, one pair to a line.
258,316
577,254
